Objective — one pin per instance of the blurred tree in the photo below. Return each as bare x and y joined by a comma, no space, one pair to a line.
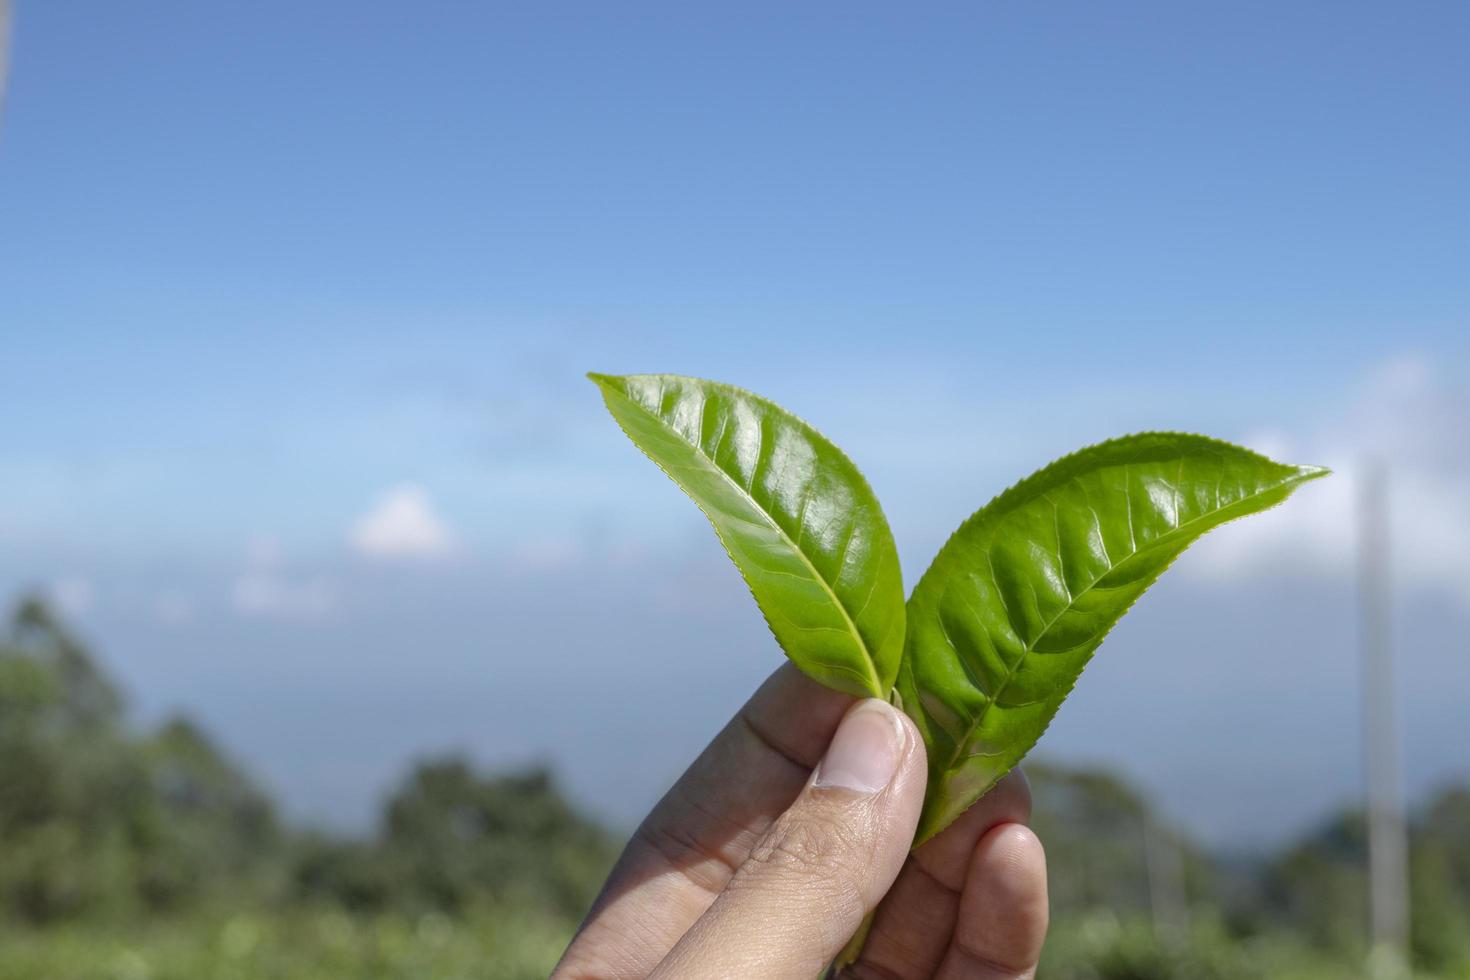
84,698
1440,884
359,876
453,839
512,837
92,820
70,783
204,823
1096,830
1319,887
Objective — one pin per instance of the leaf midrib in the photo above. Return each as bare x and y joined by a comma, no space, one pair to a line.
698,452
1030,648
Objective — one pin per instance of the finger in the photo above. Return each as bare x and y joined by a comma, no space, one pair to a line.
820,868
686,850
1003,914
911,932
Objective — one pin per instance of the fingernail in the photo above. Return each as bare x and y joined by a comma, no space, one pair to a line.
865,752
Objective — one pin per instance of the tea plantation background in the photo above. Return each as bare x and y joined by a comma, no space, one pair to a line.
128,854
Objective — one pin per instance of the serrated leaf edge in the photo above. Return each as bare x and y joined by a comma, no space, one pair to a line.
605,384
1301,475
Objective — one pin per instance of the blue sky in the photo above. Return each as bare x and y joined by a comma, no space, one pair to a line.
296,301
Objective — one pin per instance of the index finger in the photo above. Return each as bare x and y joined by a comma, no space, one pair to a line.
685,851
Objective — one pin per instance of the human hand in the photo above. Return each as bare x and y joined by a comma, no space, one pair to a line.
792,826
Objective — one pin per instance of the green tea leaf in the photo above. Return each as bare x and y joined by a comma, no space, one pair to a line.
1017,601
796,516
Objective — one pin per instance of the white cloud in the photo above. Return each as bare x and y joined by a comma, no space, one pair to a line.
1406,423
267,590
268,595
402,524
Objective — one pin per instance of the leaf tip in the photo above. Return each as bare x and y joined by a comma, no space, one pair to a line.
608,383
1306,473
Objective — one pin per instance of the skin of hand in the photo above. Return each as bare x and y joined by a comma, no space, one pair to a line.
793,825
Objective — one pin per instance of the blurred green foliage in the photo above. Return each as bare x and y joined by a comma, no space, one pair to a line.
128,856
452,840
296,943
94,821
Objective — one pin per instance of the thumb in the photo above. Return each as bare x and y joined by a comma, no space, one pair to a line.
822,865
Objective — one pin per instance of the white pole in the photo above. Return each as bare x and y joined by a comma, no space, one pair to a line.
1388,843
